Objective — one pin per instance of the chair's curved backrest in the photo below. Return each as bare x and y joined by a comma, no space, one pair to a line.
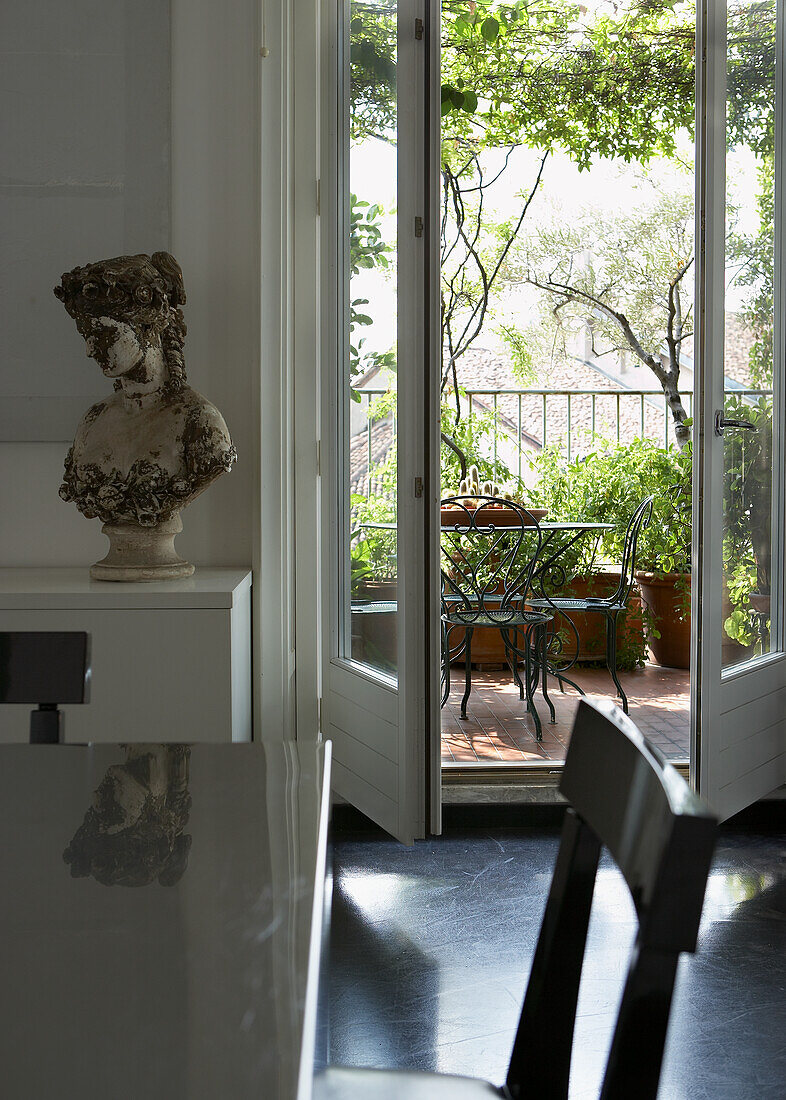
644,812
489,550
640,518
622,794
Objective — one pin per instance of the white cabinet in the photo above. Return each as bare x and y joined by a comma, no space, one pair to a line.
171,660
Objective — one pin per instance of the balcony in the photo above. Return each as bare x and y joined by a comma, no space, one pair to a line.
498,730
517,425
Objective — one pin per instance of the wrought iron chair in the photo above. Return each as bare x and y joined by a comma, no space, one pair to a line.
608,606
622,794
488,556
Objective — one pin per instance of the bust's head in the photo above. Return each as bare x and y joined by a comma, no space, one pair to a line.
123,305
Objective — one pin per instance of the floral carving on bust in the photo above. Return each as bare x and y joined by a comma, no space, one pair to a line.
155,444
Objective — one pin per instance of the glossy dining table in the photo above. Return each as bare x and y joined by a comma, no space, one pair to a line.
161,920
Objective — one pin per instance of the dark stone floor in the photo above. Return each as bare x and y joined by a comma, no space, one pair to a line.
431,948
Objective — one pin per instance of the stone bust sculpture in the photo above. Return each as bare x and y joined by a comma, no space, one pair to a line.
154,445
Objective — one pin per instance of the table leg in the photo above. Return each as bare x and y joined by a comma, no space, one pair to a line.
527,680
467,670
544,671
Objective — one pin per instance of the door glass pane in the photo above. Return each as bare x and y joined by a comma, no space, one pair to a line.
749,343
368,421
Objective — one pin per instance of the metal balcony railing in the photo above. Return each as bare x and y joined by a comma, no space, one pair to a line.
643,401
530,419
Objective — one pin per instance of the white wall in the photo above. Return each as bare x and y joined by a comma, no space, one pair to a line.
243,225
214,217
215,238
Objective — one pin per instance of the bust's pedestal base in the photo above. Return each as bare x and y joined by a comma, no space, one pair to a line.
142,553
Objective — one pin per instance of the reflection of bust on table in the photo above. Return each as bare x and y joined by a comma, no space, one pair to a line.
154,445
133,832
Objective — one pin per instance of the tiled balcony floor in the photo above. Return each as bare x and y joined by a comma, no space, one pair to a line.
498,727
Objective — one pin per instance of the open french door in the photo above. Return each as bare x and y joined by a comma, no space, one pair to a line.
739,515
380,492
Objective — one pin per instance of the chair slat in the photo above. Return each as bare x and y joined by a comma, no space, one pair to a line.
543,1069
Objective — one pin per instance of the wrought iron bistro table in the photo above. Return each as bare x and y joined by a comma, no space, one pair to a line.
553,548
550,553
160,922
549,573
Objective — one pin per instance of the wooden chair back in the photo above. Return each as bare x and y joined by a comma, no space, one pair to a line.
625,796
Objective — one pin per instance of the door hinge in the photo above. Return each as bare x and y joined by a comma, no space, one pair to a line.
319,458
319,715
418,29
418,488
319,198
418,227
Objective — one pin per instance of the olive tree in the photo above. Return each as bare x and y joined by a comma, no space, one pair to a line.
624,275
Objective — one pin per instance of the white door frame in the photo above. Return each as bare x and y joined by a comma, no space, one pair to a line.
739,752
380,730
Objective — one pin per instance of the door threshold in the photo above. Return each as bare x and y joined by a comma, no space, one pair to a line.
534,784
502,783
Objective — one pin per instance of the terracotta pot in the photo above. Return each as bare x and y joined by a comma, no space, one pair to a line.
488,647
502,517
378,590
665,602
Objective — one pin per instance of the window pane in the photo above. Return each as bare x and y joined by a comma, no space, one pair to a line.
749,330
369,574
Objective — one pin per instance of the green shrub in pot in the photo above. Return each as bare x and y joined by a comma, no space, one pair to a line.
605,483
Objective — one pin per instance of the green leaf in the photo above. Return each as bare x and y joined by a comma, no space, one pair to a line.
489,28
470,103
457,99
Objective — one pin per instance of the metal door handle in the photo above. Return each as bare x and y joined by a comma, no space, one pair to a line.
721,423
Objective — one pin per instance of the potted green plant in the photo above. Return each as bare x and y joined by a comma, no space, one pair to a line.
606,482
664,576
